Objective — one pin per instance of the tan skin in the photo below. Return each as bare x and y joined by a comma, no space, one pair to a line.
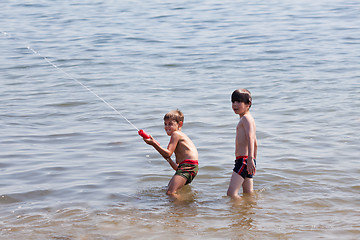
245,145
181,145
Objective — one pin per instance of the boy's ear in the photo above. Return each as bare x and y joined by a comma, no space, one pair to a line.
181,123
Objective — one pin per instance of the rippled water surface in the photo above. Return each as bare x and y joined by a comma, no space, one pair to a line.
72,168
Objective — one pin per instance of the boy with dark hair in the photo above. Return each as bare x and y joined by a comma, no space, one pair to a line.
245,145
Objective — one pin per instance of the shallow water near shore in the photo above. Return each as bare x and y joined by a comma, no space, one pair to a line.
73,168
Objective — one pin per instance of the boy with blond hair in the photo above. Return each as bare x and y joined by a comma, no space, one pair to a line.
245,145
186,165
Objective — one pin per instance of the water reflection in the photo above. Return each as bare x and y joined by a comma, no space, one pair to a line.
242,213
71,168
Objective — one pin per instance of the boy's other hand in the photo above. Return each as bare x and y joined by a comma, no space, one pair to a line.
251,167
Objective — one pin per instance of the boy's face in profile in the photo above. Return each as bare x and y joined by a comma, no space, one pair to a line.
171,126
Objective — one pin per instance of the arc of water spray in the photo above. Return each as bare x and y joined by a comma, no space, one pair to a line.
76,80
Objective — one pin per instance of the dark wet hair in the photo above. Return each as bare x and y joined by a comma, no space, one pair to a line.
241,95
175,115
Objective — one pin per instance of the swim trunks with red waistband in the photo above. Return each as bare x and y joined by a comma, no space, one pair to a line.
188,169
240,167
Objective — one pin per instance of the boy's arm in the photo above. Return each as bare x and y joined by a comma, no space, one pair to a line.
172,163
252,145
255,149
165,152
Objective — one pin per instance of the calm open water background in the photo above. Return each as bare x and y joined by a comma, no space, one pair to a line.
72,168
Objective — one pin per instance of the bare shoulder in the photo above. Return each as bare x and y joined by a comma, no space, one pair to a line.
177,134
247,121
248,118
182,138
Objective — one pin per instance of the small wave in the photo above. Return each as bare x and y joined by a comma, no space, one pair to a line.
60,135
5,165
4,199
171,65
211,168
25,196
68,104
155,178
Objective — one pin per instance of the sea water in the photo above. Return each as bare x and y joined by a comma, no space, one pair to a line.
72,168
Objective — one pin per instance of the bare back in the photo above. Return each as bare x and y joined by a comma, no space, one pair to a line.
185,148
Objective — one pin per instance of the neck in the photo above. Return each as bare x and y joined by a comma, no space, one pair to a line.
243,114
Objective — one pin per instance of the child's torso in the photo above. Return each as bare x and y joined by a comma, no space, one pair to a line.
241,142
185,149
